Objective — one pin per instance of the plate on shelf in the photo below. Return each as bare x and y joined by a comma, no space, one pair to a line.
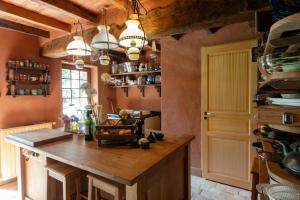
284,102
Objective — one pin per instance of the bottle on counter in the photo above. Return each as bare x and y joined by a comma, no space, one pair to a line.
88,126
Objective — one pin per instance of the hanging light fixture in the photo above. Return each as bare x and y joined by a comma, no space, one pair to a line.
133,37
133,33
78,48
104,39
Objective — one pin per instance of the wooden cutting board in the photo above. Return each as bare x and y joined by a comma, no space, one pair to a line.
39,137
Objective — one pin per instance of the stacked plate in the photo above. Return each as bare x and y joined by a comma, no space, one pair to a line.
284,102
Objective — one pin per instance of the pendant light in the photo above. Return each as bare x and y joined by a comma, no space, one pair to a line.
104,39
78,47
133,37
133,33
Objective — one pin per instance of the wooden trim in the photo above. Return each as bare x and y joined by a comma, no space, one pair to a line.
34,17
24,28
196,171
6,181
72,8
21,173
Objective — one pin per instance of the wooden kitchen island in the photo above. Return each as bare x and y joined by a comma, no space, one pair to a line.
161,172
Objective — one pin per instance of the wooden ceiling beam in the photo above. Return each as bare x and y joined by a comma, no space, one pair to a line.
72,8
23,28
186,15
33,17
180,17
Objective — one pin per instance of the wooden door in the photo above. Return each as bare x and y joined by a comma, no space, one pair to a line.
228,87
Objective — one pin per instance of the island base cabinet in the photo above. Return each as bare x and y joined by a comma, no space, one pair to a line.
168,180
31,176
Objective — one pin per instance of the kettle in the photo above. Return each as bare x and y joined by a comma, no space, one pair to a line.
291,159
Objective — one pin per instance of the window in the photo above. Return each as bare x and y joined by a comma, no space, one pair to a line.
73,99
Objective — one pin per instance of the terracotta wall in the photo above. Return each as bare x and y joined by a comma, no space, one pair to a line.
28,109
135,100
181,79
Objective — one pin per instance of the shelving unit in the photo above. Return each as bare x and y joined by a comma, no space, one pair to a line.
142,87
283,38
37,87
142,73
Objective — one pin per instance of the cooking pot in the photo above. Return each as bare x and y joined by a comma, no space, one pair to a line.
291,159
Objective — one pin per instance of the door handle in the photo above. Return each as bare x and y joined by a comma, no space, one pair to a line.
207,115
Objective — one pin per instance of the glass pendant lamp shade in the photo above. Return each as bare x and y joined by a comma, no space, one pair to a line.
100,40
132,33
78,47
133,52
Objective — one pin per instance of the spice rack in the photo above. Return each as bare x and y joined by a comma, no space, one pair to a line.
140,87
27,78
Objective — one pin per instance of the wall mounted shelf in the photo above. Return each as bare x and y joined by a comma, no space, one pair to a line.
142,73
27,81
140,87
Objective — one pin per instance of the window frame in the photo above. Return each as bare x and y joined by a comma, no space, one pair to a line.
70,67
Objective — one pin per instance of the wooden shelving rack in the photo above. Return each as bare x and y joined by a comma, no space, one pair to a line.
284,38
27,84
142,87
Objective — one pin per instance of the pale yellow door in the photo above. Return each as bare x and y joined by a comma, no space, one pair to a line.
228,88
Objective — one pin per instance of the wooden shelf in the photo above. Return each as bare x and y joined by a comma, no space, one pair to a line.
273,114
140,87
138,73
28,82
13,86
278,173
29,69
281,81
276,39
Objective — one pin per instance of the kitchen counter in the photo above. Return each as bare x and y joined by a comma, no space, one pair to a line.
162,172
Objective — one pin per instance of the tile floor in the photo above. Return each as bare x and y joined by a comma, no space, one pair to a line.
201,190
207,190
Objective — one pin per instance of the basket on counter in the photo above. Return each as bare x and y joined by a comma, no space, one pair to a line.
116,132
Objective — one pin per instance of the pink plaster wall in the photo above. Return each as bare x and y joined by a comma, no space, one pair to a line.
181,80
27,109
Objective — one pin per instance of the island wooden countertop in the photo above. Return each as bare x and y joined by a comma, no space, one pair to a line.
121,164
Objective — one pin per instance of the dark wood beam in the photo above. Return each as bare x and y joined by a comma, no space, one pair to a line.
24,29
34,17
177,36
72,8
187,15
180,17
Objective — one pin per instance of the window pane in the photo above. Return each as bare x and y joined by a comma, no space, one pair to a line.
66,73
82,82
66,93
75,93
76,102
66,83
83,93
75,84
84,101
66,103
83,75
74,74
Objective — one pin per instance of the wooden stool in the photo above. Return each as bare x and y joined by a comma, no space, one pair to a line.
69,177
117,191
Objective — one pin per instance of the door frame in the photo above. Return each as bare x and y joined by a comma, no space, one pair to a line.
204,93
